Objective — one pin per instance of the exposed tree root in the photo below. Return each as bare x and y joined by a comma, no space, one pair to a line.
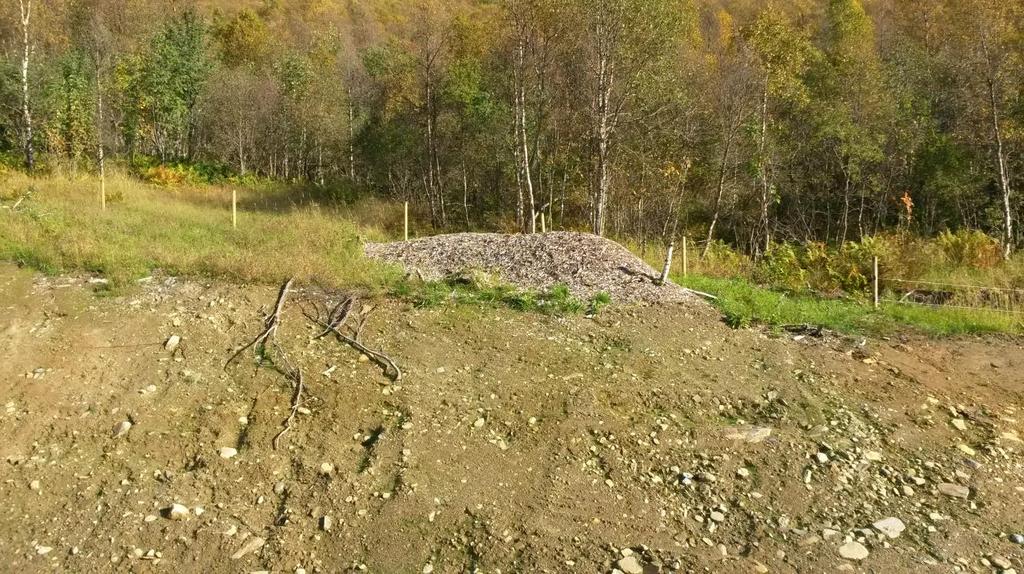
270,324
297,387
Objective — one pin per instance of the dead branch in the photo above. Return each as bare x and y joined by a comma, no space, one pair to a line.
337,317
389,365
270,323
702,294
296,378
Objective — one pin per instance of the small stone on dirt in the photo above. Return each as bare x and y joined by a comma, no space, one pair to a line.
34,485
853,551
325,523
954,490
428,569
172,343
959,424
630,565
227,452
122,428
891,527
254,544
176,512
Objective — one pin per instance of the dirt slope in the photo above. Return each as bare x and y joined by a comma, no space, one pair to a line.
647,439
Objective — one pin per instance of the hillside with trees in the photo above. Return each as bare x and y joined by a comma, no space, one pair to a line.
734,120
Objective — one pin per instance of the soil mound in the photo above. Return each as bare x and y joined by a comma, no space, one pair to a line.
587,264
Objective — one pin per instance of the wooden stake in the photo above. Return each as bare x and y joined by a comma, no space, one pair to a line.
543,223
686,258
407,221
875,281
668,264
103,190
234,209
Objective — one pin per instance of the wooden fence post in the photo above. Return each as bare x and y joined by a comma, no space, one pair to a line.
875,282
543,223
407,221
234,209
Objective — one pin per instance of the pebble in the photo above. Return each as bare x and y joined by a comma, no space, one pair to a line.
959,424
966,449
428,569
34,485
891,527
743,472
480,422
853,551
279,488
1001,562
176,511
227,452
717,517
1017,539
325,523
326,468
954,490
172,343
254,544
122,428
630,565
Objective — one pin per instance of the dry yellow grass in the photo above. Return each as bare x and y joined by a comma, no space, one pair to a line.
184,231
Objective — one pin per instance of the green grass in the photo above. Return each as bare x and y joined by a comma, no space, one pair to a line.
185,231
743,304
556,301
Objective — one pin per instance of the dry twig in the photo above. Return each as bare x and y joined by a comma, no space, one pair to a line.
334,325
296,378
270,323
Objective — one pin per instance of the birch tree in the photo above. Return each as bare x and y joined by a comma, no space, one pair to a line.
26,109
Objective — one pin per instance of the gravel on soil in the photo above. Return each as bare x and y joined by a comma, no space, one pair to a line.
585,263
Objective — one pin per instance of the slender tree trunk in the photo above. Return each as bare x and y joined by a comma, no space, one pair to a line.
763,167
351,138
522,138
26,111
601,183
1004,172
241,149
846,207
465,195
722,172
100,156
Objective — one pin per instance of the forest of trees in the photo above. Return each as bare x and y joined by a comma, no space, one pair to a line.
745,121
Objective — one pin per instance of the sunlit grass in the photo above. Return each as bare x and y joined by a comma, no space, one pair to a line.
60,227
744,304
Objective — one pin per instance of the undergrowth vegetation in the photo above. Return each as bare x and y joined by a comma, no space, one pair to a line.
316,235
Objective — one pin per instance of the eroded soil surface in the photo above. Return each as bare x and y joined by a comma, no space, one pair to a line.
643,440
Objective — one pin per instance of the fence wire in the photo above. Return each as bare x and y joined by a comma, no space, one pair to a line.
939,295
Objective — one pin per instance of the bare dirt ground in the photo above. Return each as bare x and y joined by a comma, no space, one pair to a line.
643,440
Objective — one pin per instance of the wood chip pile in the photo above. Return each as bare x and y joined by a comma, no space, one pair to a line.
587,264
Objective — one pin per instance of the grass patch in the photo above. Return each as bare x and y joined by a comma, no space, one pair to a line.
186,231
556,301
743,304
182,231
